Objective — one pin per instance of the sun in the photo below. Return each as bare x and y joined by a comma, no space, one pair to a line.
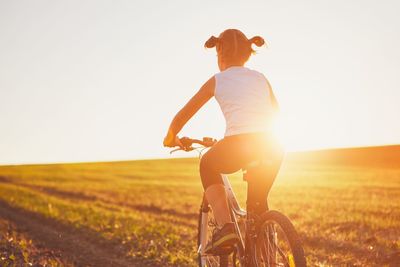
291,132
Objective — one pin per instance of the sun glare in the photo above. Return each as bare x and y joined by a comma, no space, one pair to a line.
287,131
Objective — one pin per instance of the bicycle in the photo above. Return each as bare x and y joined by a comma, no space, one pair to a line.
267,240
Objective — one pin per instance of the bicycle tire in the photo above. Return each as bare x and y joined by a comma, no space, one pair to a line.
290,232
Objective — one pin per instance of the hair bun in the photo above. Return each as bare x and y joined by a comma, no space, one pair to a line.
257,40
211,42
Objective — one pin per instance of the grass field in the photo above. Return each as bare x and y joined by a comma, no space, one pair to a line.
345,205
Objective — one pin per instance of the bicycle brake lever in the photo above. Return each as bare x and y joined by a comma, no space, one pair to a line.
187,149
177,149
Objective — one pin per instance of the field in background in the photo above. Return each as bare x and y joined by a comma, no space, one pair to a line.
344,203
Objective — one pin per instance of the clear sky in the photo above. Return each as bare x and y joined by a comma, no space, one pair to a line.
101,80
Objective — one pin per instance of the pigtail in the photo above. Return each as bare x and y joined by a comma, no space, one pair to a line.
211,42
257,40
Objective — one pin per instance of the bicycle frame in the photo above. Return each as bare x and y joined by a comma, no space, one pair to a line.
234,207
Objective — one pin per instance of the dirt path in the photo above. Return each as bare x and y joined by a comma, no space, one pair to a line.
76,246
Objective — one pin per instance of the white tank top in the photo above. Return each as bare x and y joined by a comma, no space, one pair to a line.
244,97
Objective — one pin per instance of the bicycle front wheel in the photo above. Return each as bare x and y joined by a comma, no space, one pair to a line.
206,224
277,242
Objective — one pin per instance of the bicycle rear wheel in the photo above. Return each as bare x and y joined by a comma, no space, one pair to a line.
277,243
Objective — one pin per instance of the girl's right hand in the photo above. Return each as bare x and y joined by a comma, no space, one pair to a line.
172,140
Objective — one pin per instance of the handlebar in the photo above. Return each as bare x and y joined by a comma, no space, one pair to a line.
188,142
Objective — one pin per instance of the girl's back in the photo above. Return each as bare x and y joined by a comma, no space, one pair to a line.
244,97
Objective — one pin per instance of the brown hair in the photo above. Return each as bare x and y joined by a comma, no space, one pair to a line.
234,45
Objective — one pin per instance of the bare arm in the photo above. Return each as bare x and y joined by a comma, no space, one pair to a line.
186,113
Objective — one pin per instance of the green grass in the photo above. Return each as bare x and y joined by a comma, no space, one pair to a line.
347,215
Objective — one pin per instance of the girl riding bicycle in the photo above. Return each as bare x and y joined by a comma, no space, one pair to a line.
248,104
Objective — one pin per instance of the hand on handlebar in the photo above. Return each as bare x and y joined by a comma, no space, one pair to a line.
172,141
186,143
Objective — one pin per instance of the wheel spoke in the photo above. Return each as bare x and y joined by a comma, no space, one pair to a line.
273,248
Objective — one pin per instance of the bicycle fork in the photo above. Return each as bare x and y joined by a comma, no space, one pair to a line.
203,232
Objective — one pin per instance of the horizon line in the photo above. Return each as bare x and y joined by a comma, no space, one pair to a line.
162,158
